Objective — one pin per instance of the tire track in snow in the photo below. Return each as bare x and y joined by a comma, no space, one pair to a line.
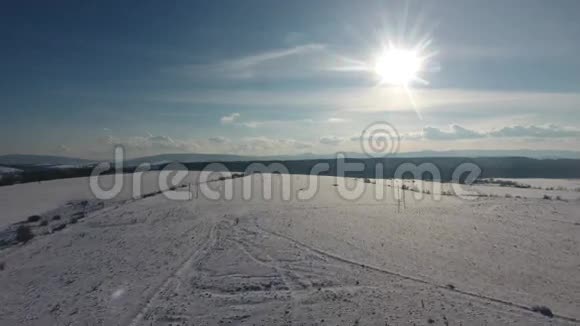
182,268
275,264
408,277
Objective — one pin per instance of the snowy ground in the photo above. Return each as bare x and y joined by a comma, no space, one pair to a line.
6,169
326,260
22,200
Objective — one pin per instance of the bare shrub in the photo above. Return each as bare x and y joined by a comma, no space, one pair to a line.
33,218
543,310
59,227
23,233
504,183
547,197
151,194
79,215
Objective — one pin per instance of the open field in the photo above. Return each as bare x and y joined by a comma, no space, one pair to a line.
324,260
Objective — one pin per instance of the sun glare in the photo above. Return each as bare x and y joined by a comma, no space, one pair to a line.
398,67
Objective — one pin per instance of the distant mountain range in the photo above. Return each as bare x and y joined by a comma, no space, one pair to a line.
55,161
539,154
24,159
493,164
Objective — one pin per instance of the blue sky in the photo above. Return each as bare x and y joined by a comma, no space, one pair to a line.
270,77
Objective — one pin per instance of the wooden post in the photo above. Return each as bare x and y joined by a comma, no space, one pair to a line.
399,200
399,206
404,201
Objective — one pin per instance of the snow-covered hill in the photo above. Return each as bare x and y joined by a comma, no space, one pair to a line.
324,260
7,169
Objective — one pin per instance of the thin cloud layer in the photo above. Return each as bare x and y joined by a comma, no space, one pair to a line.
137,146
457,132
331,140
229,119
301,60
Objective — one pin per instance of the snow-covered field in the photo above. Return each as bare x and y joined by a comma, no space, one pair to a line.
22,200
6,169
323,260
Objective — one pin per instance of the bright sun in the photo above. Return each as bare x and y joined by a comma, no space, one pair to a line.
398,67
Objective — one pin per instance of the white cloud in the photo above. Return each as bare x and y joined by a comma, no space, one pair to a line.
261,58
234,119
218,140
456,132
137,146
331,140
229,119
336,120
62,149
161,140
266,146
149,143
252,124
550,131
